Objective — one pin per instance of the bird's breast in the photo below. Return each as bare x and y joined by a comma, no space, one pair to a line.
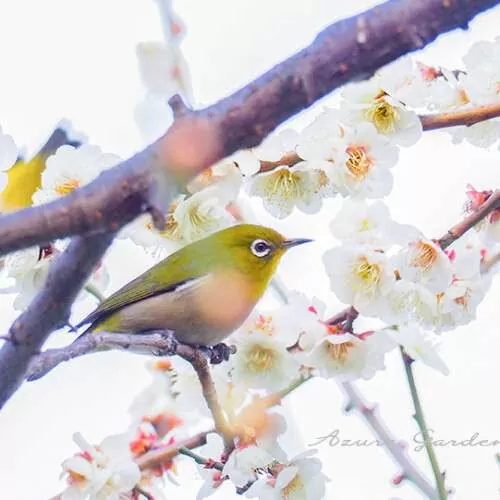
203,311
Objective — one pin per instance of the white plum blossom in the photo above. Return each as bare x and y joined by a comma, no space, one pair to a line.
29,268
410,301
425,262
349,356
272,149
299,478
361,222
360,276
189,218
198,215
448,92
163,69
225,173
275,146
405,81
319,141
284,188
100,472
262,362
70,168
482,134
213,478
419,345
243,464
362,163
158,395
366,101
482,75
152,116
8,156
458,304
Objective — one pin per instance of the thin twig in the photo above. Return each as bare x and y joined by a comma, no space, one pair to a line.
200,365
458,230
159,457
465,117
206,462
410,471
435,121
419,417
144,493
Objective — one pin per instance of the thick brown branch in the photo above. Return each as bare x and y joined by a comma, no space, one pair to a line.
465,117
470,221
410,471
49,310
348,50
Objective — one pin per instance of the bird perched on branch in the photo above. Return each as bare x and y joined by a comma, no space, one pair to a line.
202,292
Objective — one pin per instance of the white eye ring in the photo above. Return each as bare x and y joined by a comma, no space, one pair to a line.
260,248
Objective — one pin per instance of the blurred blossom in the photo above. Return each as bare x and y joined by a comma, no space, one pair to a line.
70,168
8,156
299,478
100,472
419,345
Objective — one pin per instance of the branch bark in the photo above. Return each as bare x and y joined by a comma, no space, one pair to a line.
410,471
348,50
465,117
49,309
458,230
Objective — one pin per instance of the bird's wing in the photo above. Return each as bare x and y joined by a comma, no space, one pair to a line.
166,276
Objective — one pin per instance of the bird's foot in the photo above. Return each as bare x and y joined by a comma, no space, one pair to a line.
170,343
220,352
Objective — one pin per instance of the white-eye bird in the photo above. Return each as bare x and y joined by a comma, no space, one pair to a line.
202,292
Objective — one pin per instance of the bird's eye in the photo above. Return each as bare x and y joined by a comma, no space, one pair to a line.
260,248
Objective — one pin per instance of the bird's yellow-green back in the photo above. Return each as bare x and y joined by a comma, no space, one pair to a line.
235,249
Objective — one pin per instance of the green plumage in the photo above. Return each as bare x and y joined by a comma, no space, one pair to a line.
170,295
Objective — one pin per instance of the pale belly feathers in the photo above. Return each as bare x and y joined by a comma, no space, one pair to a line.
204,311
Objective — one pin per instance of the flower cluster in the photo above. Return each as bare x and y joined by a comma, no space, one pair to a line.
386,271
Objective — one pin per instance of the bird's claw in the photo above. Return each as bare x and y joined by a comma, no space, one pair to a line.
170,343
221,352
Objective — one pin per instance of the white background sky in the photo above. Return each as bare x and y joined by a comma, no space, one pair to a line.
61,58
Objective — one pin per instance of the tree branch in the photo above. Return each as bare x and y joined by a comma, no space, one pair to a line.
349,50
49,310
419,418
155,458
435,121
458,230
410,471
466,117
159,343
200,365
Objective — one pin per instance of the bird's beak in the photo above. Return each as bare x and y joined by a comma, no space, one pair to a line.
293,243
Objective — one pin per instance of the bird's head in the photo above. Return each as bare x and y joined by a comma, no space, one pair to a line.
255,250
